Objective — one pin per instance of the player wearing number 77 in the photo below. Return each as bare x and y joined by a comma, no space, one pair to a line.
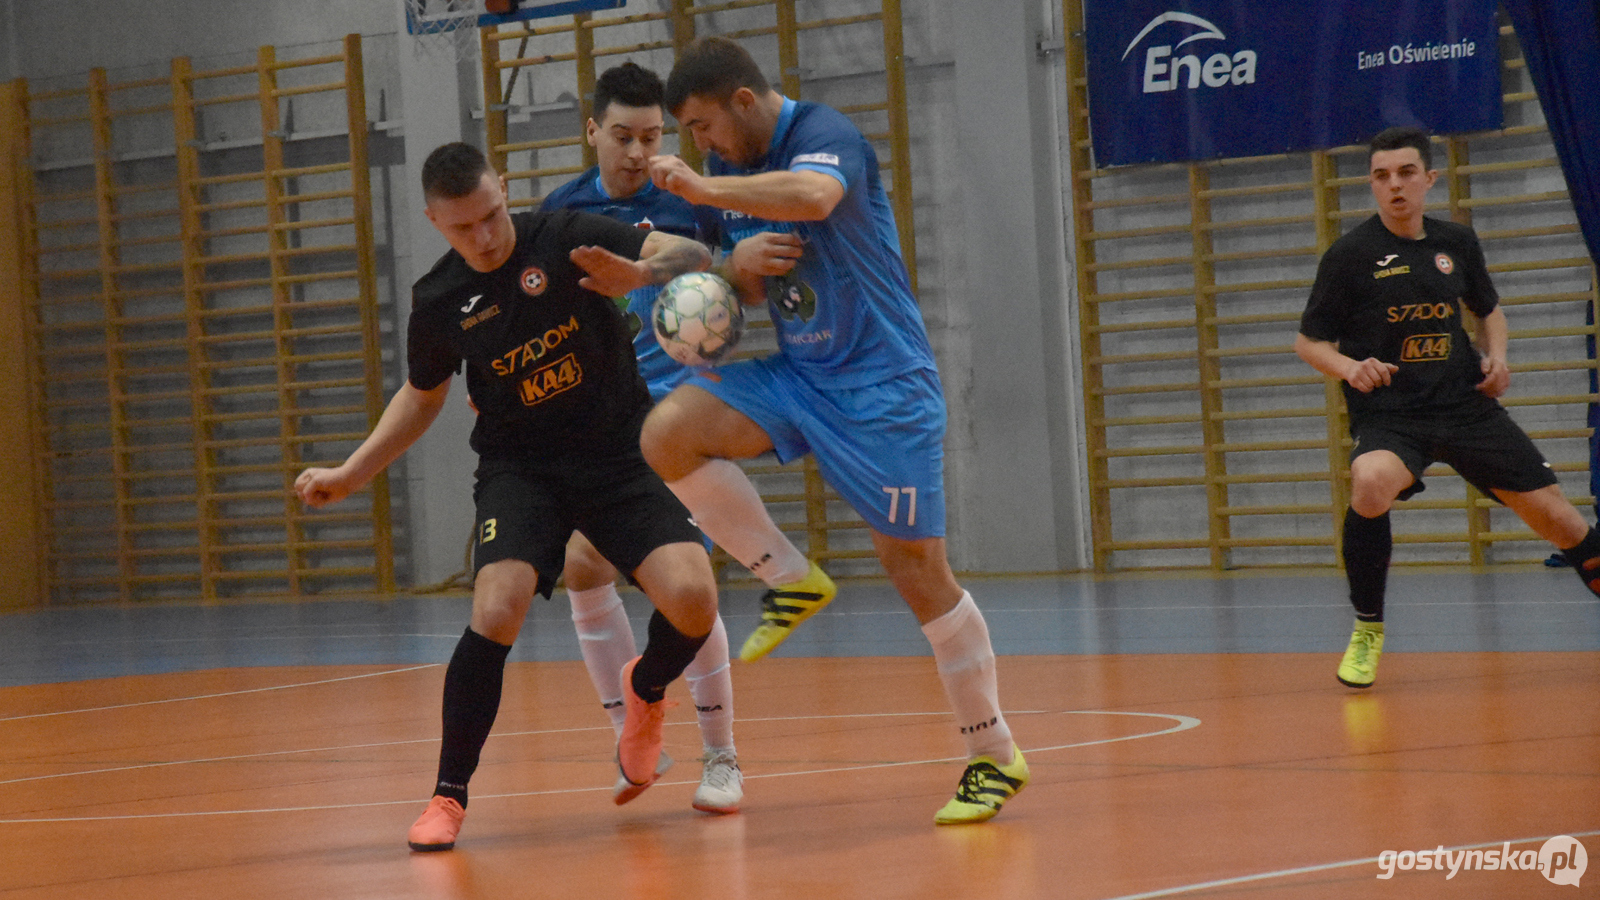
854,381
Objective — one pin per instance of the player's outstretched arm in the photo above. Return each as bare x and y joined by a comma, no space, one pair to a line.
1364,375
407,416
787,196
662,258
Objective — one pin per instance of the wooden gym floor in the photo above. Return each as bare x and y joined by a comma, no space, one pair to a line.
1186,736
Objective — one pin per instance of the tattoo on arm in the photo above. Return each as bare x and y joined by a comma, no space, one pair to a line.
674,256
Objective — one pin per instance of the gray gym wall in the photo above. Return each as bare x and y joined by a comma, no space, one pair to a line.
984,116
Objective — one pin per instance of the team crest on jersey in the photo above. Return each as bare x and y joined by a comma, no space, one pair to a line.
534,281
793,298
1445,263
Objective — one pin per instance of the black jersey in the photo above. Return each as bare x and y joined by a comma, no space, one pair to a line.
1399,300
550,365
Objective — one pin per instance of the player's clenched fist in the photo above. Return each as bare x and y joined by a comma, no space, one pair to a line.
673,175
767,253
1496,377
319,487
1370,373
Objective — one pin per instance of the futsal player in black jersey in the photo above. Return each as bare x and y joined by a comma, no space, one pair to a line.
523,302
1385,318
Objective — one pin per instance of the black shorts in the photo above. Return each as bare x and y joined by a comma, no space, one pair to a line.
1484,446
618,503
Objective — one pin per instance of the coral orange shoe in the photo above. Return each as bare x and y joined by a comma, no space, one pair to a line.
438,826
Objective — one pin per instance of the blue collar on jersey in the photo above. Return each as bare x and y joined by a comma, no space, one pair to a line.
781,130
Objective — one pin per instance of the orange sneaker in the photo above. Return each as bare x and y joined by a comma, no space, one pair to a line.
437,827
639,747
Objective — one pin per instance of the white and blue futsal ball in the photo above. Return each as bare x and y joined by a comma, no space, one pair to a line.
698,319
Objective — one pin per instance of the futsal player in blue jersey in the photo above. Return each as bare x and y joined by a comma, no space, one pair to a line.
626,132
810,232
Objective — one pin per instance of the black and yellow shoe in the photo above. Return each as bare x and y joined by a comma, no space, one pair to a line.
985,787
786,606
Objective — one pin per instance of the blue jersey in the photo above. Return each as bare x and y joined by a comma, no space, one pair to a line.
845,315
649,208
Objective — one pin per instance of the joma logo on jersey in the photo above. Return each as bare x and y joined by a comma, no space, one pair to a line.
1396,270
562,375
1165,72
534,350
1425,348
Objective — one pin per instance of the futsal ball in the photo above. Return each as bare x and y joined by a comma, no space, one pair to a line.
698,319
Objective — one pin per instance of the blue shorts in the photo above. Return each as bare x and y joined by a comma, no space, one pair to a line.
881,447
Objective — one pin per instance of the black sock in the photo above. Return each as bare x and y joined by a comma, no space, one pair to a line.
471,700
1367,545
668,652
1585,558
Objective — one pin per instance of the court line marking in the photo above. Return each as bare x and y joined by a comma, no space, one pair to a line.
1324,867
1184,723
259,690
134,767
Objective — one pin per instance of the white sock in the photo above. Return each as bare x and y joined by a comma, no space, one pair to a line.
726,506
607,643
965,659
711,685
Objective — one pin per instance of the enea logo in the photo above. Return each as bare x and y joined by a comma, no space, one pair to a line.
1165,72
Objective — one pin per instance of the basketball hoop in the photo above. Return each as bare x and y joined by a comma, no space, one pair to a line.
452,26
443,26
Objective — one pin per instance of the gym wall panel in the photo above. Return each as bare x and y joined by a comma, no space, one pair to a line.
1211,444
204,321
21,535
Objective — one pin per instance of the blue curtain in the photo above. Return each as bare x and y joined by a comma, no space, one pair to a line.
1561,41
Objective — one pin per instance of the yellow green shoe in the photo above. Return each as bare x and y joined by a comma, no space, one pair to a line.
985,787
786,606
1359,668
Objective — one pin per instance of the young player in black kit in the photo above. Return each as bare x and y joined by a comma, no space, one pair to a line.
1385,318
524,302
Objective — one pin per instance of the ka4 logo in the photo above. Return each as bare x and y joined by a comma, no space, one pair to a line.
562,375
1165,72
1425,348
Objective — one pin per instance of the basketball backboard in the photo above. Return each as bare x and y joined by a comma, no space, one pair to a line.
435,16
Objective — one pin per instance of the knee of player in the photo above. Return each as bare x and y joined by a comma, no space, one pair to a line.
501,595
659,440
696,593
1374,487
690,604
1372,503
585,568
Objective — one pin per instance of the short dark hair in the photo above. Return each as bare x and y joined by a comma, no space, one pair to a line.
453,171
1402,136
713,68
629,84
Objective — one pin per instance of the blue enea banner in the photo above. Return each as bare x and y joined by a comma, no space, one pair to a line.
1196,79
